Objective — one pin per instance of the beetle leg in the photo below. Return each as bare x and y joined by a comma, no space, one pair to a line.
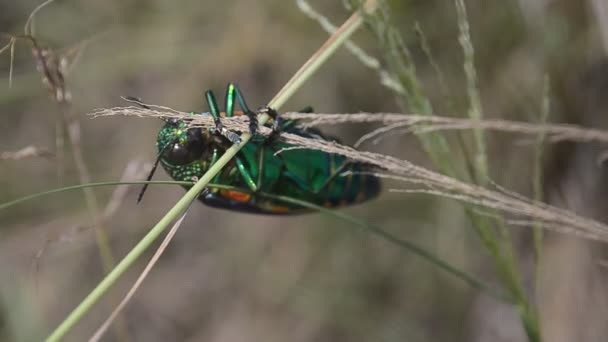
234,91
219,127
261,155
332,177
307,109
306,186
277,123
245,174
214,157
229,99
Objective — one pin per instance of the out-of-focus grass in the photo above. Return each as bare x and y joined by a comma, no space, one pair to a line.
234,276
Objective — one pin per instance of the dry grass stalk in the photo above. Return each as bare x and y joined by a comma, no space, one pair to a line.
26,152
424,124
407,123
553,218
131,293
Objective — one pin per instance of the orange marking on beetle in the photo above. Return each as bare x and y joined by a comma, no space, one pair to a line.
236,195
279,209
328,205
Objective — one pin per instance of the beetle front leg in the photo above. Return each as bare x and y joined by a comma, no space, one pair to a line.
219,127
235,92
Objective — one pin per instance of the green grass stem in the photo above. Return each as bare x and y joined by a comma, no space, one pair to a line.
80,186
419,251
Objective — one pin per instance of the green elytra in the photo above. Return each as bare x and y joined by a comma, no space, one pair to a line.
309,175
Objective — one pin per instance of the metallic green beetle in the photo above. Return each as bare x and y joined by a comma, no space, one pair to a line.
309,175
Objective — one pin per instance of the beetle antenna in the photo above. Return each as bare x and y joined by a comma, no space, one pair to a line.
140,103
135,100
151,174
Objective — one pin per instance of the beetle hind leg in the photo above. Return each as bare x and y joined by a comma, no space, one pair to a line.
277,122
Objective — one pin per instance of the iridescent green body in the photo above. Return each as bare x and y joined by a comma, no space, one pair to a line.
309,175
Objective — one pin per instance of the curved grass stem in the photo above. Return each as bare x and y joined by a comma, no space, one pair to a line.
80,186
411,247
405,245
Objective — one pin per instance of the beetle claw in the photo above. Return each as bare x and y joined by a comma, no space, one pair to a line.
276,124
253,122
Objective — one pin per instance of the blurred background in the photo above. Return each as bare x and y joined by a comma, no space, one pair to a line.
229,276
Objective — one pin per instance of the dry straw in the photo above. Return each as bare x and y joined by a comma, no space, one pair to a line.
526,211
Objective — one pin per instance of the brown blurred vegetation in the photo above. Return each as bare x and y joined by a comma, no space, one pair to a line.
236,277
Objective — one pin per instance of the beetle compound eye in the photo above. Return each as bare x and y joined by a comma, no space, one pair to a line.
179,155
195,140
